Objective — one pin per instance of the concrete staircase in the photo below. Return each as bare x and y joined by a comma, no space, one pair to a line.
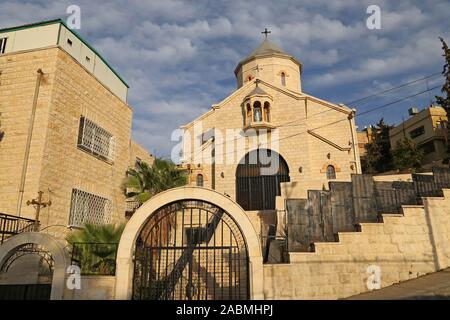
402,246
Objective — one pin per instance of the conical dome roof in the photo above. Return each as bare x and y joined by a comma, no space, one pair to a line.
266,48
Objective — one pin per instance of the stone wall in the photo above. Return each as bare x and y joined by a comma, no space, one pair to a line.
293,115
56,165
93,288
404,246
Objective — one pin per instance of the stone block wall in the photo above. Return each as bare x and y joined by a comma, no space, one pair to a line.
56,165
404,246
93,288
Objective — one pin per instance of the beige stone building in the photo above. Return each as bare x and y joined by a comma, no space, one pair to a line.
364,137
66,128
427,129
316,139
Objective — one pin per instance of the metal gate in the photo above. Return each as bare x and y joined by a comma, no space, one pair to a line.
191,250
44,274
25,291
258,181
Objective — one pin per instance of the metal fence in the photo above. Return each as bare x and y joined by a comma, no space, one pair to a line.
11,225
326,212
95,258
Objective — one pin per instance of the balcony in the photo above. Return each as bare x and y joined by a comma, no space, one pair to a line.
257,125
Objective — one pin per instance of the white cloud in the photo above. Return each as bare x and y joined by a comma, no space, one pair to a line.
179,56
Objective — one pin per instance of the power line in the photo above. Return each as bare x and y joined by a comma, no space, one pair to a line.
393,88
340,120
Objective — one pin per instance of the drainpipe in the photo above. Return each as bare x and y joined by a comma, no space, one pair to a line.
27,146
351,118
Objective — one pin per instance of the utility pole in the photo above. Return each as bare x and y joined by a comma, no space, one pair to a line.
38,203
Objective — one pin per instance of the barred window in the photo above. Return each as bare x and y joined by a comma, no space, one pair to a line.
89,208
3,45
95,140
199,180
417,132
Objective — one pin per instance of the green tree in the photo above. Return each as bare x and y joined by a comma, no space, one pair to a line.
378,151
444,101
146,181
95,247
406,155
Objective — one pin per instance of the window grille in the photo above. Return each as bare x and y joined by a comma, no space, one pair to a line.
417,132
89,208
199,180
95,140
3,45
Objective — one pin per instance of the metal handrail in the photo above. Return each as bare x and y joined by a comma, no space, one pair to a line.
12,225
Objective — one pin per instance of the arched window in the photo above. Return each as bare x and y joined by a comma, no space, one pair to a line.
267,111
257,112
331,173
199,180
249,113
283,79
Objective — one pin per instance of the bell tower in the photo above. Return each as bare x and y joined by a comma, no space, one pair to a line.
271,64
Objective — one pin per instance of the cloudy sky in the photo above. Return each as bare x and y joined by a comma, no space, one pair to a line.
179,56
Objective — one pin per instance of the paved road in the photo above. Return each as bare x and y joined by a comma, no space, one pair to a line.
435,286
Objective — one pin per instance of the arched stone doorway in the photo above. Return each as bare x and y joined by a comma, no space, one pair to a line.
170,257
47,249
258,178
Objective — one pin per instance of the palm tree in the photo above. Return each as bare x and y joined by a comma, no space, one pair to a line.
95,247
146,181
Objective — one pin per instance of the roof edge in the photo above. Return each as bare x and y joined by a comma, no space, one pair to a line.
60,21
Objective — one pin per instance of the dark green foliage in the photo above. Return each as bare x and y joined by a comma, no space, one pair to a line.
406,155
145,181
444,101
378,157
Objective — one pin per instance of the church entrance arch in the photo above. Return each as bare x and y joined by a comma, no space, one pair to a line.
258,178
189,244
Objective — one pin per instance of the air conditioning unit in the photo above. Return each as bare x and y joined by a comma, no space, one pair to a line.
412,111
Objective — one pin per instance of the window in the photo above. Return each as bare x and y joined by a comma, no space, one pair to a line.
331,173
441,124
417,132
267,111
249,113
89,208
3,45
428,147
137,163
283,79
257,112
95,140
195,235
199,180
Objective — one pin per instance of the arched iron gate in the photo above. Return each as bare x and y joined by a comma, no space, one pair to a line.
191,250
258,178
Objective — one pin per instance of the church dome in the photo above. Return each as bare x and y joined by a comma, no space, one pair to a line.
270,63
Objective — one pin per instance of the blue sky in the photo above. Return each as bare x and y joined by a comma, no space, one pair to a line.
179,56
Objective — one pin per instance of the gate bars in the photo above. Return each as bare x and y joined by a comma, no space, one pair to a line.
325,213
191,250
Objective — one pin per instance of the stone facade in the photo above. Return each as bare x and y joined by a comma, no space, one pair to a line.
310,133
56,163
404,246
427,129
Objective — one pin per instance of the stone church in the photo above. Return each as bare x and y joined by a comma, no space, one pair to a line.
312,140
